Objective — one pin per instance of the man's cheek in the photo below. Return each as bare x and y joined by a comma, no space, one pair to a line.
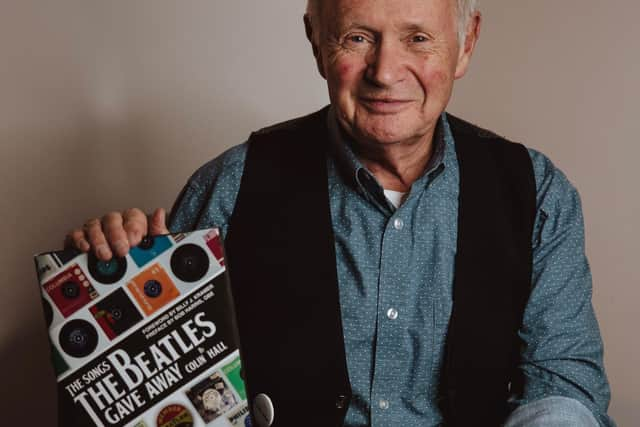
435,81
344,74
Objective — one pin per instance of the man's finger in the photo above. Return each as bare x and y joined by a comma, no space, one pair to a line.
112,227
158,223
93,233
135,225
76,239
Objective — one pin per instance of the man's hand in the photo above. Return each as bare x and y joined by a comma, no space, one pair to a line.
116,232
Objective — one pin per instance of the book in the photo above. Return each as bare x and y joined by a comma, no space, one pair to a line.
149,339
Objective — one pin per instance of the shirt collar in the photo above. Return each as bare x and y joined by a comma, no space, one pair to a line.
358,175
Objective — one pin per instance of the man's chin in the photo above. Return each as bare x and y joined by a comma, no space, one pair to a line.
382,136
384,130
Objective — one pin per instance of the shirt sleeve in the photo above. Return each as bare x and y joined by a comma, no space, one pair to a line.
552,411
209,196
562,353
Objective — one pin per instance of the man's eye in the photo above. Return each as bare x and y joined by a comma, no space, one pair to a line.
356,38
419,39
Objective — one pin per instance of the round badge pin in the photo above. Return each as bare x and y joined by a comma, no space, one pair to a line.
263,410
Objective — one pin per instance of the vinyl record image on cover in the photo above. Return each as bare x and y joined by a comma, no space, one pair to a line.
189,262
106,272
78,338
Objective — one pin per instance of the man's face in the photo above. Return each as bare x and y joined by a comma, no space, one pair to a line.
389,65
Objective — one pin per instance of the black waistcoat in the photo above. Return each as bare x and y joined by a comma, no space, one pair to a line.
280,250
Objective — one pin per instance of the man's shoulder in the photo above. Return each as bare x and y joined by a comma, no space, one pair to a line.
461,126
553,188
225,166
552,184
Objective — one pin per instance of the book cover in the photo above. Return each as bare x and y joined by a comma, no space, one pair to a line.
149,339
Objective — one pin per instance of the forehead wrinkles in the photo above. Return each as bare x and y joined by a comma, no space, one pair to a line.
437,14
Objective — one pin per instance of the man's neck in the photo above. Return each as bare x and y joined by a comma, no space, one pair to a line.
396,166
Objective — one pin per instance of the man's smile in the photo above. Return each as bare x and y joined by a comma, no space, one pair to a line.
385,105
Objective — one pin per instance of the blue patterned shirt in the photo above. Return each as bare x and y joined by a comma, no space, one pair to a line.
395,275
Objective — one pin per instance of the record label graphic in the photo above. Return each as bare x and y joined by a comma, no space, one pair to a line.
240,418
175,416
70,290
233,371
115,314
149,248
189,262
214,244
152,289
212,397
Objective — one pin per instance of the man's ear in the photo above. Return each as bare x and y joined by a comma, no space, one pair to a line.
470,41
308,27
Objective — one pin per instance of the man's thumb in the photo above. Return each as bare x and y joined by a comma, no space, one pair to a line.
158,224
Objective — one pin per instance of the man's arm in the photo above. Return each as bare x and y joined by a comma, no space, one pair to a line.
209,197
562,352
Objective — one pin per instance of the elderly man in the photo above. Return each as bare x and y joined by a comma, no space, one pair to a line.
394,265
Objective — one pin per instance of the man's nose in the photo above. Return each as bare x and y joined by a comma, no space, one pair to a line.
386,64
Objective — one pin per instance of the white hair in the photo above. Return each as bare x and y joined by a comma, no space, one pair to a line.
466,9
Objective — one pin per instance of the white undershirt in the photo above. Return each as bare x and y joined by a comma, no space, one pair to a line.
395,197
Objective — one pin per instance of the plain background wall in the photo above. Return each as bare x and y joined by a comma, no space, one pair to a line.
111,104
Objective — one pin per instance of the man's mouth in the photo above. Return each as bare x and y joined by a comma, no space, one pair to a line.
384,105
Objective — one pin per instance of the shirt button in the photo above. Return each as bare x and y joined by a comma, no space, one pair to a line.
392,314
341,401
398,224
384,404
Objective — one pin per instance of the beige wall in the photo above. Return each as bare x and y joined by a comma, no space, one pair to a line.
109,104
